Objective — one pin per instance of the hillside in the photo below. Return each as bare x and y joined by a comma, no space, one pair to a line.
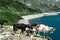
43,5
12,10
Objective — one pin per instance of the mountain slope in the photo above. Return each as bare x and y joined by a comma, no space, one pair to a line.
12,10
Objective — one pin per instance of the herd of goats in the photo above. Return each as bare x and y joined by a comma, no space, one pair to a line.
30,29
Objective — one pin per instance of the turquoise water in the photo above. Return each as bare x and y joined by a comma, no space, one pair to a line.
52,21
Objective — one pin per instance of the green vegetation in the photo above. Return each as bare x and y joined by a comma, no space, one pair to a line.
12,18
12,10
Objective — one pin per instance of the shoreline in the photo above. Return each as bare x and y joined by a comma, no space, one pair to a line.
26,18
39,15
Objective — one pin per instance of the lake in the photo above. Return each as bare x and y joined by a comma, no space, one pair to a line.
51,21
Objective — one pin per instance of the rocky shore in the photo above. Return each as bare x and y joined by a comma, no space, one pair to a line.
6,33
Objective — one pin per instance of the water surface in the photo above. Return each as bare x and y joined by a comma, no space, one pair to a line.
52,21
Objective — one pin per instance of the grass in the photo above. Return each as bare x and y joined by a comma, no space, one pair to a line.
12,18
13,10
